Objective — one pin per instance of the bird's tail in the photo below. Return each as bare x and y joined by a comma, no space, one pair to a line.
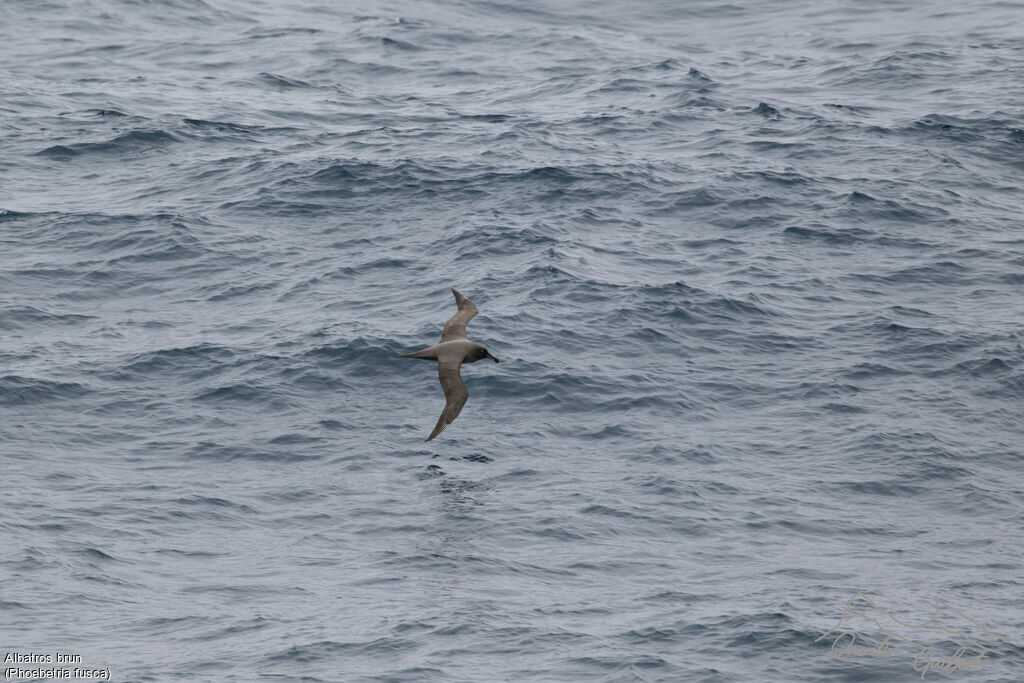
426,354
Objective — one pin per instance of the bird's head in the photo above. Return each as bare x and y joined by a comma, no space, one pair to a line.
479,353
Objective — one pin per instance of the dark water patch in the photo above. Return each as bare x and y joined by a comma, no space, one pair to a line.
672,291
1011,386
909,312
362,269
280,82
422,180
891,488
430,472
939,273
693,102
7,215
221,452
482,240
96,554
188,363
716,243
116,239
909,449
201,555
332,650
866,206
658,484
825,389
551,280
261,32
983,367
896,332
613,431
252,392
134,142
1012,278
945,272
677,455
396,44
293,495
621,663
621,86
845,408
829,527
559,390
782,147
859,110
784,179
681,303
145,246
16,390
248,626
359,357
838,236
680,202
20,317
767,111
206,501
329,380
486,118
59,152
959,129
754,642
608,510
477,457
697,76
223,127
268,204
293,439
241,592
650,338
105,113
224,292
902,69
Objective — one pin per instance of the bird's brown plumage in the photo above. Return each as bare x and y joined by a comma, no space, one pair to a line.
452,351
455,328
455,394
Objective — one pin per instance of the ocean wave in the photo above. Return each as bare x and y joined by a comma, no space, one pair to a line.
17,390
133,142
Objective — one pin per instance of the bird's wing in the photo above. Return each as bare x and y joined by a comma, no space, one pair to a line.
455,328
455,394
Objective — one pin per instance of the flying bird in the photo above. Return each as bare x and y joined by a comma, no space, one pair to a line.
453,350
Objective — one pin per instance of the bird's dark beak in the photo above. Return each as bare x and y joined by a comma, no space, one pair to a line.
493,358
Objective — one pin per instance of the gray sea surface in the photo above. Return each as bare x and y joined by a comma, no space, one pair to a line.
754,271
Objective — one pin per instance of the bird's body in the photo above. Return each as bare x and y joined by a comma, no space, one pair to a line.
453,350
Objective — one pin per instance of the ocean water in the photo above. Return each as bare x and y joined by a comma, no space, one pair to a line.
754,271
